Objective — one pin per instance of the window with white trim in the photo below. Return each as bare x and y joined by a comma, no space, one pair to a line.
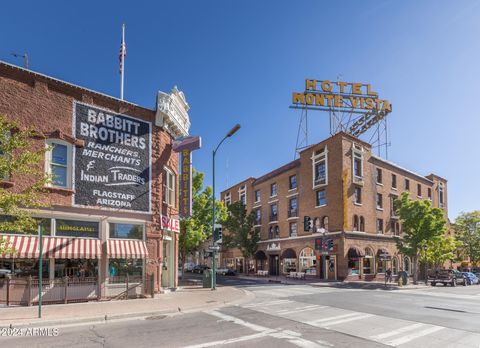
242,195
273,190
321,198
227,199
379,201
169,187
320,167
292,182
419,190
429,193
257,196
407,185
358,195
440,195
293,229
357,163
394,181
59,163
380,226
379,176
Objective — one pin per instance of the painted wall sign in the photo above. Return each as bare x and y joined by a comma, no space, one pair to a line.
170,224
74,228
113,169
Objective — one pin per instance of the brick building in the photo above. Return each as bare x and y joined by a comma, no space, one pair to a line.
354,236
113,200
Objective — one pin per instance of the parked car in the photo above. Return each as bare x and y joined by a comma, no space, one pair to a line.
188,266
200,268
4,272
471,278
452,277
226,271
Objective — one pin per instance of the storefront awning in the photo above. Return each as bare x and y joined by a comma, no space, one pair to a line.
289,254
126,249
355,252
26,247
260,255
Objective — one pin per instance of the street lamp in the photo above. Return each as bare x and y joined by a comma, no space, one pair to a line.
214,251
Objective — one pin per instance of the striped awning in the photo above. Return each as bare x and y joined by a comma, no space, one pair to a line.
26,247
126,249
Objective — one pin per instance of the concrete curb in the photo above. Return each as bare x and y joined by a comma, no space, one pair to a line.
103,319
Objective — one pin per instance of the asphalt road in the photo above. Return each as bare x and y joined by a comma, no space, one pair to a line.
298,316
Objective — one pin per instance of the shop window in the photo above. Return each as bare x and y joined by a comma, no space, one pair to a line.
289,265
293,229
362,224
126,231
59,163
320,167
76,268
120,268
10,227
379,176
293,182
394,266
380,265
74,228
321,198
356,223
368,261
257,196
169,186
394,181
358,195
273,190
307,261
23,268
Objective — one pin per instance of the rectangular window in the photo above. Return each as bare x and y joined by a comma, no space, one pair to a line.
394,181
379,201
320,172
10,220
242,195
169,187
407,184
118,269
257,196
357,165
440,195
125,231
321,198
429,193
258,217
274,212
59,165
393,205
380,226
74,228
293,229
379,176
273,189
419,190
292,208
228,199
358,195
293,182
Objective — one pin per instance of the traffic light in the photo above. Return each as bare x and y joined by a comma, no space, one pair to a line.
217,233
318,244
307,223
330,244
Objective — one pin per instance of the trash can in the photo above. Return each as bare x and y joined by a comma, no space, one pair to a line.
207,278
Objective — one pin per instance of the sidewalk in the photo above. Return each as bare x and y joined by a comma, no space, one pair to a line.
183,300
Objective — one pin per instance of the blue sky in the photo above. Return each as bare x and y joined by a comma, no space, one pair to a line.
239,61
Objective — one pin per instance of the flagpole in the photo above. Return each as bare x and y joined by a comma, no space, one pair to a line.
122,73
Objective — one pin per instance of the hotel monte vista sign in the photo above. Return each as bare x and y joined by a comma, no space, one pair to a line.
113,168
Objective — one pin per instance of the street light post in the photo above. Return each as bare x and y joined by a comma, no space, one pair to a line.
214,251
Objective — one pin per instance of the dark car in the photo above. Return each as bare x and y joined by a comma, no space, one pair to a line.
471,278
451,277
226,271
200,268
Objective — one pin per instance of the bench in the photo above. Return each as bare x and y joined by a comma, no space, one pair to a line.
261,273
296,275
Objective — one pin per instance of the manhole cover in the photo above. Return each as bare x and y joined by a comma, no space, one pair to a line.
156,317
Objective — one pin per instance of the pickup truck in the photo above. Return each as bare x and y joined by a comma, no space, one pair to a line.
451,277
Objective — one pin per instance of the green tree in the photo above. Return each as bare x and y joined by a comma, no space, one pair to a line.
439,250
19,158
240,232
198,228
421,224
467,228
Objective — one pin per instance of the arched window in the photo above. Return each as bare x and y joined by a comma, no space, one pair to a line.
355,223
362,224
368,261
270,232
307,261
317,224
277,232
407,265
325,223
394,266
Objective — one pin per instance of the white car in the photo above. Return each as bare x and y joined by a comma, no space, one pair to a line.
4,272
189,266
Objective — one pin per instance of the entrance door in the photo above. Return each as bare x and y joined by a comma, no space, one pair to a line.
332,267
274,265
166,265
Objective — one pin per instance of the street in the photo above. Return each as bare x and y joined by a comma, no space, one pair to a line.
298,315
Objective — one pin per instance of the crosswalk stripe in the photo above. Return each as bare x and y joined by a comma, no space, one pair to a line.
411,337
268,303
397,331
341,321
293,309
304,309
333,318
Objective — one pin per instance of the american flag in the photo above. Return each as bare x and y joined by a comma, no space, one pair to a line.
122,54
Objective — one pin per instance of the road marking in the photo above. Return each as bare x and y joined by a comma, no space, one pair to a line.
292,336
397,331
265,304
231,340
358,317
411,337
298,310
332,318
